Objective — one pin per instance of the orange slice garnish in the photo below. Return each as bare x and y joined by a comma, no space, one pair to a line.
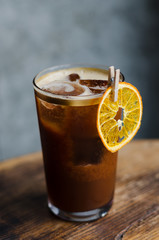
118,122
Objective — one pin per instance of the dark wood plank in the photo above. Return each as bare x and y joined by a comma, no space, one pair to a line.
134,215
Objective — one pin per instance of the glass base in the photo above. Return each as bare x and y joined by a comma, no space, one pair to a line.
81,216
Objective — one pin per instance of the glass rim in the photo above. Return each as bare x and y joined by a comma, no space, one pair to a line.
82,100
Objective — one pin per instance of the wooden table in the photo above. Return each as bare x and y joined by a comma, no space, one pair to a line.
134,215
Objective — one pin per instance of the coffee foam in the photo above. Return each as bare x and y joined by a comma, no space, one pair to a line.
60,78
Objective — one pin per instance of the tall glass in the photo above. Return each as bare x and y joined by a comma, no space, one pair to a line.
80,172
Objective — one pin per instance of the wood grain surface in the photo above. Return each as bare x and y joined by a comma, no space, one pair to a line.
134,215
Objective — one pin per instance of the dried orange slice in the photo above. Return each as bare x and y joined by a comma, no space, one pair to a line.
118,122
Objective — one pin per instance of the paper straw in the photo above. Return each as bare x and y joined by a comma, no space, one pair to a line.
116,84
111,75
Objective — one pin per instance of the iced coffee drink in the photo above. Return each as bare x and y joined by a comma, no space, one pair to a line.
80,171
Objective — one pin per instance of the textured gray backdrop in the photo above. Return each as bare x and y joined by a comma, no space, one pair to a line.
36,34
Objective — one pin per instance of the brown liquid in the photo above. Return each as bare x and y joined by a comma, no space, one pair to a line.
80,171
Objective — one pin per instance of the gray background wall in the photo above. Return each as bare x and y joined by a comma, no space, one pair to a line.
36,34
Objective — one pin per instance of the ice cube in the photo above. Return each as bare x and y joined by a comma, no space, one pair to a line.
64,88
93,83
73,77
96,86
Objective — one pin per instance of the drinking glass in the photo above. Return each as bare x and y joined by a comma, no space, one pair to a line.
80,172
